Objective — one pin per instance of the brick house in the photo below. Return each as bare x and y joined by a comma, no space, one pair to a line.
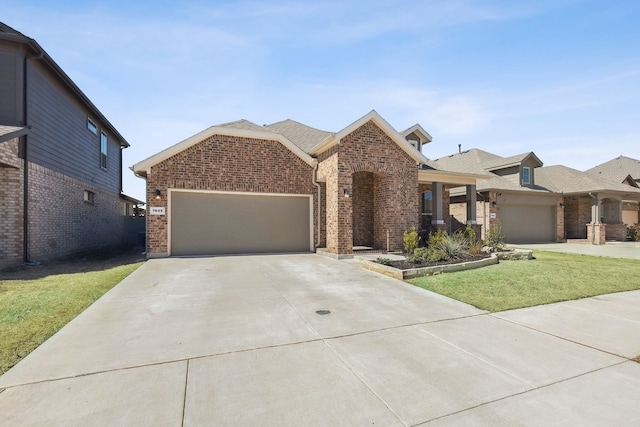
60,161
286,187
533,203
625,170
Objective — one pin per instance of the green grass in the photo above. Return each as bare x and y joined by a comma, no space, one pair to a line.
35,308
551,277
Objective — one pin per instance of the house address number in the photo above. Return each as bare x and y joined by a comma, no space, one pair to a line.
156,211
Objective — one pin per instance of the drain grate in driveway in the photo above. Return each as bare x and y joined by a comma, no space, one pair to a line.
323,312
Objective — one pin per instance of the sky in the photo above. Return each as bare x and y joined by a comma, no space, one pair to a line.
560,78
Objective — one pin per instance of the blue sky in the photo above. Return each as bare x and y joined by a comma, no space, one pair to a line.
560,78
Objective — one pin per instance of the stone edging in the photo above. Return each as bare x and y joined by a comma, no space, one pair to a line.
518,254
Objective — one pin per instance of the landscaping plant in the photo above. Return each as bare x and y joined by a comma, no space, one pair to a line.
493,238
454,246
411,240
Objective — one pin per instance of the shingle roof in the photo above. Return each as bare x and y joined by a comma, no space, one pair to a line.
562,179
244,125
471,161
618,169
505,162
300,134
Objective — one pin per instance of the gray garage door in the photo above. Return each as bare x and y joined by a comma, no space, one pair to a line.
527,224
226,223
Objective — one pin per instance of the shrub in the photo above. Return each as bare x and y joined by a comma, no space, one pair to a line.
471,234
633,232
493,237
384,261
475,248
454,246
419,255
411,240
434,255
435,238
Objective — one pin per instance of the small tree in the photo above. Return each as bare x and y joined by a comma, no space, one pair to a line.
493,238
411,240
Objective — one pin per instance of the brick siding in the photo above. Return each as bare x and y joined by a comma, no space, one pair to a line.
11,205
60,221
577,214
225,163
395,185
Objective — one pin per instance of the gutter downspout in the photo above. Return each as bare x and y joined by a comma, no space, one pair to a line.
25,156
314,177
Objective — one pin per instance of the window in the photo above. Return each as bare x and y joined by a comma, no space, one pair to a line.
92,127
526,175
89,196
427,209
103,150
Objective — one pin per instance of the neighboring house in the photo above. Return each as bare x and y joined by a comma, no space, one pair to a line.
541,204
243,188
627,171
60,161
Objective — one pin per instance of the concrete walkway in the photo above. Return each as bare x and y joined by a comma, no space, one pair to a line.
244,341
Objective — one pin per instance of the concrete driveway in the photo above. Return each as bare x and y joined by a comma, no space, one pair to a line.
239,341
629,250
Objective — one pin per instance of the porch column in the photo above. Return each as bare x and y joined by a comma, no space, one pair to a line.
471,204
436,203
595,209
619,212
596,231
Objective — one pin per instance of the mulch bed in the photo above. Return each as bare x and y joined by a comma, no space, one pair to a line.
404,265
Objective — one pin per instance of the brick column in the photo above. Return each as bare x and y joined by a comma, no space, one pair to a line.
596,233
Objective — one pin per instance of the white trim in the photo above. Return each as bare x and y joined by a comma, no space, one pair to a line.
418,129
145,165
447,177
170,192
382,124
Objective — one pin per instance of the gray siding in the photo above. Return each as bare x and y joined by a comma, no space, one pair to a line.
59,139
10,85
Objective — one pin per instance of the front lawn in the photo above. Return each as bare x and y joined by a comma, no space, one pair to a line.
35,302
551,277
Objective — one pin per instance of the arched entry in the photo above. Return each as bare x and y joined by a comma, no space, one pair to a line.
368,215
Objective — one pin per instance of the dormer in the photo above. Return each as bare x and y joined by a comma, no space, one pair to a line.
520,168
416,136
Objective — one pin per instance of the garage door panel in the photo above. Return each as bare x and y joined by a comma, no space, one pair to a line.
223,223
527,224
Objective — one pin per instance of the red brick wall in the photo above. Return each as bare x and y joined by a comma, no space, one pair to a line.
577,214
369,149
225,163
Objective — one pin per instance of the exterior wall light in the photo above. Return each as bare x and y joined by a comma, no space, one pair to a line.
346,192
158,195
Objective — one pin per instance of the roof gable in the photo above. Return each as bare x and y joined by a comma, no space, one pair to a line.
240,128
618,169
507,162
418,130
379,121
